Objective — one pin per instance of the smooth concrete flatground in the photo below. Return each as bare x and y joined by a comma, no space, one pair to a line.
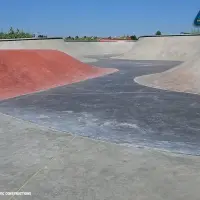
116,109
55,165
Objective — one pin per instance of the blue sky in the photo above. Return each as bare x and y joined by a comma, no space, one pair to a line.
102,18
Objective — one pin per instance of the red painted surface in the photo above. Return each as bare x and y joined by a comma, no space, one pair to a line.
27,71
112,40
107,40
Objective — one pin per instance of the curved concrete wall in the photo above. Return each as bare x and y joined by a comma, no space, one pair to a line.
79,50
164,48
183,78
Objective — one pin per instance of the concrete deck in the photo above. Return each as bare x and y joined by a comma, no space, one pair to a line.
56,165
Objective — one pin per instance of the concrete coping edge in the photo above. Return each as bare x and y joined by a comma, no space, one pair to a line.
172,35
24,39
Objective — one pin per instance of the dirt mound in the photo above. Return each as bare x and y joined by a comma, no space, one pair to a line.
27,71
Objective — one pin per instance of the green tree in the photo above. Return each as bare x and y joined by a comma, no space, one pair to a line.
11,31
77,37
133,37
158,33
14,34
68,38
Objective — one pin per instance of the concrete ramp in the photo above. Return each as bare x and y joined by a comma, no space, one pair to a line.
53,43
85,50
27,71
180,48
79,50
185,77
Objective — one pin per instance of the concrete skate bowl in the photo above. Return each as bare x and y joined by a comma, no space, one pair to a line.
101,105
36,158
183,78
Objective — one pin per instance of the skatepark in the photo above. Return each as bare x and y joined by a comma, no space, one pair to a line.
103,120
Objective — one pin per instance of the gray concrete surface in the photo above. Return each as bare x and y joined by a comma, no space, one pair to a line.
114,108
78,50
183,78
180,48
89,51
56,165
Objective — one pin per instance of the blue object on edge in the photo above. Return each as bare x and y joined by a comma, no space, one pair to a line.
197,20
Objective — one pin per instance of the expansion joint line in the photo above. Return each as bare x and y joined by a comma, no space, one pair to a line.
37,172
